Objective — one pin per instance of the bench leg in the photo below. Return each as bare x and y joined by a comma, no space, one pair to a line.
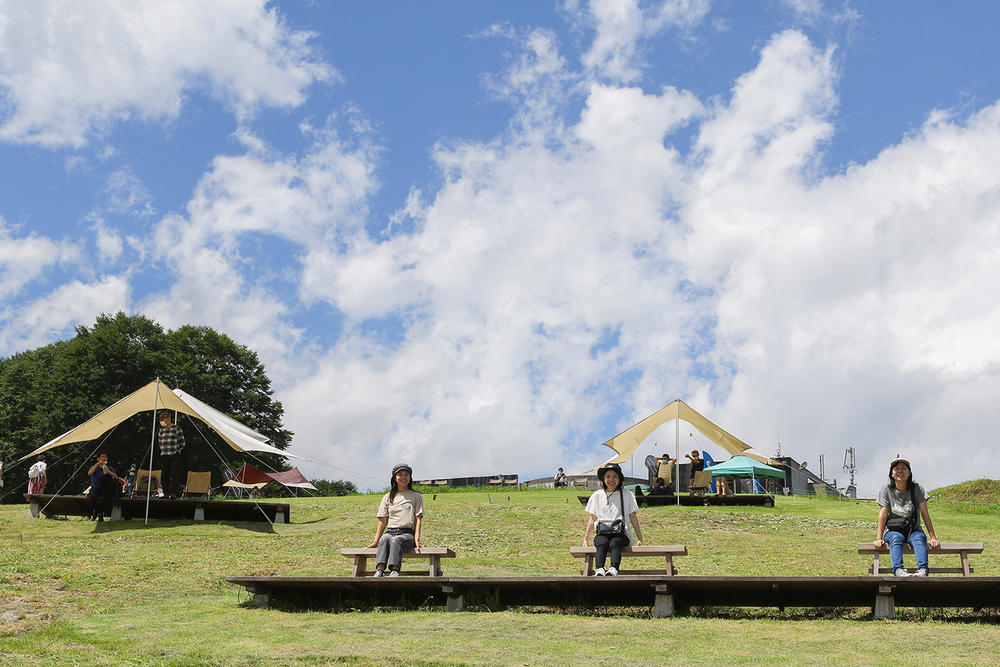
279,516
33,510
360,566
456,601
670,565
966,570
875,567
116,513
588,565
435,567
199,513
261,600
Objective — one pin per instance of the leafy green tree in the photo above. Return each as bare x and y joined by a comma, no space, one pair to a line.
337,487
50,390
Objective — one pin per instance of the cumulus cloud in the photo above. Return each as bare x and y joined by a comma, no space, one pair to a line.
622,27
54,315
68,71
579,272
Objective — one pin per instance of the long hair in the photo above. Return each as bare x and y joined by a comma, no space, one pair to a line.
395,487
909,481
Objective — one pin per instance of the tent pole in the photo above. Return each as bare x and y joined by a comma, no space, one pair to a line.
677,454
152,441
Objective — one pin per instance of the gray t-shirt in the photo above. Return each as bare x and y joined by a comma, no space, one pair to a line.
900,503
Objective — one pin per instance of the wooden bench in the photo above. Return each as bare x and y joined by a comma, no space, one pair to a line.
963,549
434,554
667,552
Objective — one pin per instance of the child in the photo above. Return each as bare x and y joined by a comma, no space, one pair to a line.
399,517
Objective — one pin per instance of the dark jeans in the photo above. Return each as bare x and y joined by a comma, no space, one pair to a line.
171,474
110,490
391,546
605,543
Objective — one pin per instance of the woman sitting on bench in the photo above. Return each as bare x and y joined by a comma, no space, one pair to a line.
903,502
399,517
608,508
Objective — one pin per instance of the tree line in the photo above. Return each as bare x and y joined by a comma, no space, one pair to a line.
49,390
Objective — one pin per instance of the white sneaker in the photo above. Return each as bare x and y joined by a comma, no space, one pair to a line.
599,572
922,572
394,573
379,573
612,571
901,572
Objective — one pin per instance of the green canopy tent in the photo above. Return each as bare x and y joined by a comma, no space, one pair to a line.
744,467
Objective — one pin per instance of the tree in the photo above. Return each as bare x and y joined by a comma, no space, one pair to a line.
48,391
339,487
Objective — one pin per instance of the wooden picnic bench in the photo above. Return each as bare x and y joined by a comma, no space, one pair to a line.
963,549
434,554
667,552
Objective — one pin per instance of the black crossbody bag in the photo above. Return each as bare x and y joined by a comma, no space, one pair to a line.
617,526
904,525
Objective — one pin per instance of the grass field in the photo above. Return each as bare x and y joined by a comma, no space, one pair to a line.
74,592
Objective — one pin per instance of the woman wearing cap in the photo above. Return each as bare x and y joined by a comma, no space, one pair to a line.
608,508
399,517
899,521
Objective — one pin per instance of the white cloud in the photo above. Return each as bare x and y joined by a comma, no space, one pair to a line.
23,259
621,27
69,70
54,315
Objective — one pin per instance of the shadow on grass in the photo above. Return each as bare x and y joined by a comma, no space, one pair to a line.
138,524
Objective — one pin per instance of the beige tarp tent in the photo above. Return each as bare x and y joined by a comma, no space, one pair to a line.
159,396
626,442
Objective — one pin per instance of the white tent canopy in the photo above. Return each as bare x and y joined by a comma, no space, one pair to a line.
626,442
157,396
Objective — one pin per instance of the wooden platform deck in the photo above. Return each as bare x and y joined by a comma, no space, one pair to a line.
192,509
742,499
664,593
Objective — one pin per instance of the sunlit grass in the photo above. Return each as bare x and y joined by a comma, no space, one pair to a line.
77,593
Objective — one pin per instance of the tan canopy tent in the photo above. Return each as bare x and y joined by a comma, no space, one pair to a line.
158,396
626,442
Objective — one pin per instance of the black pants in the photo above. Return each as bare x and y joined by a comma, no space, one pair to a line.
170,474
110,490
606,543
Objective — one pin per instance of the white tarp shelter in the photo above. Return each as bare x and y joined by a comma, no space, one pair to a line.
626,442
158,396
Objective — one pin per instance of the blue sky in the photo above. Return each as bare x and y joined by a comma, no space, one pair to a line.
485,237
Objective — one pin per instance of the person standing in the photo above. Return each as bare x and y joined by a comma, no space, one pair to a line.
37,476
903,502
171,444
104,485
400,516
608,508
697,463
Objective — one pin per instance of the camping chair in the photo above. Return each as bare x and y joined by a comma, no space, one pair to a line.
198,484
142,481
699,485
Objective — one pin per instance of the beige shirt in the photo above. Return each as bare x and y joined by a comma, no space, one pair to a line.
403,511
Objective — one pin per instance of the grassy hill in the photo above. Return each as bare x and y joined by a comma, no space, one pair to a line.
980,490
74,592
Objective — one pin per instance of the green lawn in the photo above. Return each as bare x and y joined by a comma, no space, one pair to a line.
77,593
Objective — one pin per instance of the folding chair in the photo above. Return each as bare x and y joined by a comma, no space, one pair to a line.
143,483
198,484
699,485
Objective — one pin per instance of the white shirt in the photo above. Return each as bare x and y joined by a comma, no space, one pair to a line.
609,509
